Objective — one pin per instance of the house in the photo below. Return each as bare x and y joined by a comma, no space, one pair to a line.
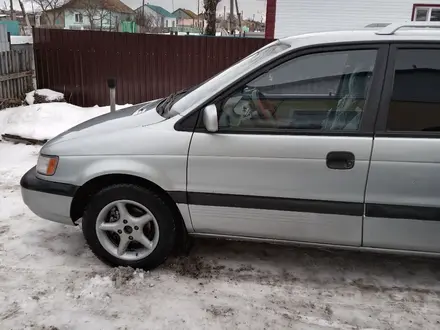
200,21
161,18
89,14
185,17
293,17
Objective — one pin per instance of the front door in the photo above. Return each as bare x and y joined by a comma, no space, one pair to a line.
291,157
403,193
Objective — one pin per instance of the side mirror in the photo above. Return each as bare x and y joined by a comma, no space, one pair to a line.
210,119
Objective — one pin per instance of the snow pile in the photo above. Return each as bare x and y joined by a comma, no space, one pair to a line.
47,120
97,289
46,95
101,286
21,40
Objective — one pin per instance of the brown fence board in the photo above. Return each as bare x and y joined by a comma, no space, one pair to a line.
78,63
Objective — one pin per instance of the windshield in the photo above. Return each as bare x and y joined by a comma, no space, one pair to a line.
211,86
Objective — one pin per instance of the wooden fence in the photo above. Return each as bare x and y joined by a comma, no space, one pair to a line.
16,73
78,63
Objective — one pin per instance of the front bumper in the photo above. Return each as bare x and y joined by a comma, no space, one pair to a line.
47,199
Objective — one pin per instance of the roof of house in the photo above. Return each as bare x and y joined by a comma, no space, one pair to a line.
161,11
190,13
110,5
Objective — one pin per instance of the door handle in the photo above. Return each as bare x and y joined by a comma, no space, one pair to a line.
340,160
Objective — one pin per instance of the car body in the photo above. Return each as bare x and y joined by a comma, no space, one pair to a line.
327,139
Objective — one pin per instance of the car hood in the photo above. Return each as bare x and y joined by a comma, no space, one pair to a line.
143,114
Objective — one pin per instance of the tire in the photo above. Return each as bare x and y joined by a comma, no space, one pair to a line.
164,236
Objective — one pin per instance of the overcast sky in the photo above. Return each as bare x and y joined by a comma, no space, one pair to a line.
249,7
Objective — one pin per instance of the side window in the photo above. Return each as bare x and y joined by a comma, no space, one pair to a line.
415,102
322,92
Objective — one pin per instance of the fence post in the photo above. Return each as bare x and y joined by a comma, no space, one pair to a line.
111,83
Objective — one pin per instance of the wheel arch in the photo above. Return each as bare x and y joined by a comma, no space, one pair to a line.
87,190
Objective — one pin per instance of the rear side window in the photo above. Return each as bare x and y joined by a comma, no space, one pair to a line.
415,102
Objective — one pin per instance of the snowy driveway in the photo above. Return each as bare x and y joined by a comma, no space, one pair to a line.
50,280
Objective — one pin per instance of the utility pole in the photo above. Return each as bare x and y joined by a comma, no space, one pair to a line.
239,18
143,15
231,15
224,13
198,14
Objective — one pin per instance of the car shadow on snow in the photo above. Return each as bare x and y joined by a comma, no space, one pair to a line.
279,264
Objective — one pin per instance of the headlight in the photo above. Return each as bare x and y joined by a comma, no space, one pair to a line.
47,165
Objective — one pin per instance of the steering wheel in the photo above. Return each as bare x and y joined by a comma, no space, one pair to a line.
264,108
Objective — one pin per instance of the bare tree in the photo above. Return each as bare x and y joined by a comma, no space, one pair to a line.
210,7
48,11
93,10
148,22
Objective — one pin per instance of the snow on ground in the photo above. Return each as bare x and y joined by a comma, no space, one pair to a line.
49,94
46,120
49,279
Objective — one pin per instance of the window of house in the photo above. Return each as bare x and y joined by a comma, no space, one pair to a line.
426,13
323,92
174,23
166,23
78,18
415,102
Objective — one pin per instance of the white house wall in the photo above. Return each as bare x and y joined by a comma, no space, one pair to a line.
107,18
295,17
157,20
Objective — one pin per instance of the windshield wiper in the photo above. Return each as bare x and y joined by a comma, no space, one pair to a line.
165,106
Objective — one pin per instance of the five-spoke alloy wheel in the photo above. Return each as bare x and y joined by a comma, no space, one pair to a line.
127,230
127,225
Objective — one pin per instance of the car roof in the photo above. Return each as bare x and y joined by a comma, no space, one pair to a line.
363,36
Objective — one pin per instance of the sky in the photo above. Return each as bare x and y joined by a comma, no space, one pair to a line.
249,7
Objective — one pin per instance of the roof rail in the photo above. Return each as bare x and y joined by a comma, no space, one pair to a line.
377,25
392,28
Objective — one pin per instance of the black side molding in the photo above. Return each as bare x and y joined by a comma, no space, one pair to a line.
403,212
31,182
307,206
269,203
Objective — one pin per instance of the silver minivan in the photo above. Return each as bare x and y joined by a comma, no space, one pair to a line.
327,139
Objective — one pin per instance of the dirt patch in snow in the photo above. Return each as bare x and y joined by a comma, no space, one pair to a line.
41,327
4,230
220,311
10,311
194,267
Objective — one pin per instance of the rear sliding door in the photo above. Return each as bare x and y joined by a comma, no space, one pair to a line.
403,190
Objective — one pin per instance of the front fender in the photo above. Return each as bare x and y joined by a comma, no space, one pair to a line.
126,166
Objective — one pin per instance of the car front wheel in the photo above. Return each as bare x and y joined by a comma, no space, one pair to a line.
127,225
